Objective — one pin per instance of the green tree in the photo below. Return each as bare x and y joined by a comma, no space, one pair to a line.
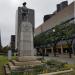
65,31
5,49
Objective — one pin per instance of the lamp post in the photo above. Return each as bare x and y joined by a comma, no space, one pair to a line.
42,47
54,46
54,30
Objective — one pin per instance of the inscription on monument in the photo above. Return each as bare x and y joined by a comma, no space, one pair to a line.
26,40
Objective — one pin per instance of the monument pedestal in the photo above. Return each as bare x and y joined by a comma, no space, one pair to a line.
25,46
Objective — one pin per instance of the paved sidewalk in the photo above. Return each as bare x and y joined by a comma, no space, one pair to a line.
63,58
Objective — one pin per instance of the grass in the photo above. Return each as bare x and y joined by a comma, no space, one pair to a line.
70,66
3,60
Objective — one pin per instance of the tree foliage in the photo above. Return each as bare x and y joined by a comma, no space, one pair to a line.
65,32
5,49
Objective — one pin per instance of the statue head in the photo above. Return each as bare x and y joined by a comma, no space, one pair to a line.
24,4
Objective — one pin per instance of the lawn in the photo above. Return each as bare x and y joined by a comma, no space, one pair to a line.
3,60
71,73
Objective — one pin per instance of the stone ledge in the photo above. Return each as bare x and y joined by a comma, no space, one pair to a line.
59,72
27,58
33,63
12,66
7,70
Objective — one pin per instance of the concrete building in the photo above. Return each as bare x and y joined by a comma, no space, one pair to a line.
62,5
63,14
12,44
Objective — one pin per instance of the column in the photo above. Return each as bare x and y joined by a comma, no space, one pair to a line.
61,49
52,50
45,51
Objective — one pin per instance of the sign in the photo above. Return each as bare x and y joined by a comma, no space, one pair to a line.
9,54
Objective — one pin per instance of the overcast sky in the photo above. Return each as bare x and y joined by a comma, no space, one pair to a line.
8,11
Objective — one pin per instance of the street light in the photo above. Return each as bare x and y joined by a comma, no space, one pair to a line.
54,48
53,30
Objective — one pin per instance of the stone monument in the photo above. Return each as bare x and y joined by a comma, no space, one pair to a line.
24,41
25,29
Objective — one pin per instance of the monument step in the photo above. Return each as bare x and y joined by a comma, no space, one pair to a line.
12,66
7,70
31,63
27,58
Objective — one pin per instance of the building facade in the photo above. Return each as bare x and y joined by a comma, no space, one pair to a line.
58,18
64,14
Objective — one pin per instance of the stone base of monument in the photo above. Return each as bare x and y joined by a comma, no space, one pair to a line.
21,63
